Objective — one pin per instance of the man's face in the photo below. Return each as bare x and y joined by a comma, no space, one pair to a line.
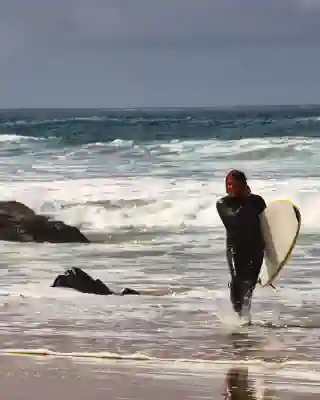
235,188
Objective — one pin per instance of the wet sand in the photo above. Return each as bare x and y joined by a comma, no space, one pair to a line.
25,377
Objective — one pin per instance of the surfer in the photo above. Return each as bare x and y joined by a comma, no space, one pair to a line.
240,213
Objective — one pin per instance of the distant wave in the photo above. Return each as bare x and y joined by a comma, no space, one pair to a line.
70,127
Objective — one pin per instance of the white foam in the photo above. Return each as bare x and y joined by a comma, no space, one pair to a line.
14,138
174,203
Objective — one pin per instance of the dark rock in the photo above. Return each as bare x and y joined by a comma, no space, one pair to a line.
76,278
19,223
128,291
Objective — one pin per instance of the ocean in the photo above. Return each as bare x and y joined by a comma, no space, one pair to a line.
142,184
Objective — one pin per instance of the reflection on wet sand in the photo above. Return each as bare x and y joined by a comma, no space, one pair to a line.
239,386
252,346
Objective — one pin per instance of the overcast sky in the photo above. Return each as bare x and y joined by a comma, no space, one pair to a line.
127,53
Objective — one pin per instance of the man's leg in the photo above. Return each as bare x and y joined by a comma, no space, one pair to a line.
250,281
235,283
235,295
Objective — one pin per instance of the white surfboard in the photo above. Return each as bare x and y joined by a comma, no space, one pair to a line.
280,224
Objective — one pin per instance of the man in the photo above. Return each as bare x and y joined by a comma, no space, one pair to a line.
240,213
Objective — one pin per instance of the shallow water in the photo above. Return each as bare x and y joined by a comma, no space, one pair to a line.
149,208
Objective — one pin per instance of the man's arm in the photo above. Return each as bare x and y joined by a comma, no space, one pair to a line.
222,210
262,204
228,219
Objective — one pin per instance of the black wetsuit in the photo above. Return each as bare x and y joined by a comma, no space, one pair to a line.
245,245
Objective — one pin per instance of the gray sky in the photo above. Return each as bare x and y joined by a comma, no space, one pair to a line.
127,53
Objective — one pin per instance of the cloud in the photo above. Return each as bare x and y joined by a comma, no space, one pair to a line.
190,22
39,24
160,52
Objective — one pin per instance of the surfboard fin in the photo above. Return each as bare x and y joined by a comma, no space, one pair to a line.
273,287
270,284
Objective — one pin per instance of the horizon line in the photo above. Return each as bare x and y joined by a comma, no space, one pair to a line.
136,108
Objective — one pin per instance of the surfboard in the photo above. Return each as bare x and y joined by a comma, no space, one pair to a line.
280,225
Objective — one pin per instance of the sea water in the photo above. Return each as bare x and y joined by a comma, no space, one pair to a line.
143,185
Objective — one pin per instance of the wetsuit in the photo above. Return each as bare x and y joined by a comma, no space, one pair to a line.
245,245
